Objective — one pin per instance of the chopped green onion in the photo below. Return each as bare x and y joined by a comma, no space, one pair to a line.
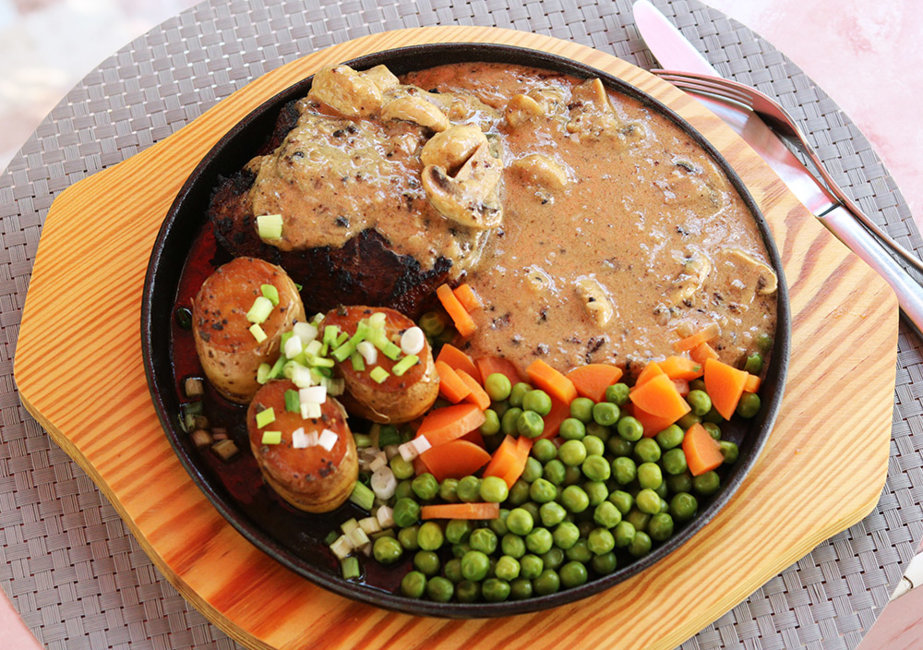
343,351
349,567
321,362
330,334
271,438
390,350
405,364
362,440
292,401
357,361
362,496
277,367
260,310
262,373
331,537
377,320
285,337
313,348
388,435
264,417
378,374
342,338
258,333
298,286
269,226
270,293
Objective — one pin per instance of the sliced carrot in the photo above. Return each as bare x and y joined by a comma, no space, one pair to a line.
593,379
724,384
753,384
559,412
682,368
450,422
418,467
475,436
477,394
551,381
523,447
653,424
701,352
461,511
467,297
454,459
702,336
451,385
503,459
456,311
489,365
702,451
659,396
651,370
458,360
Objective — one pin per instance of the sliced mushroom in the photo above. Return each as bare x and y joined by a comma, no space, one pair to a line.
592,91
416,109
346,91
538,280
539,169
522,108
596,300
696,269
451,148
470,198
591,113
752,273
383,78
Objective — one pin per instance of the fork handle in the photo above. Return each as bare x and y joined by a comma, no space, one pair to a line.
841,223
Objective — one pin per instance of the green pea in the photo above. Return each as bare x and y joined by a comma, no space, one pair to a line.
607,515
764,342
579,551
493,489
621,500
647,451
406,512
617,394
543,491
500,408
600,541
688,420
670,437
575,499
660,527
748,406
517,393
544,450
519,493
498,525
459,550
413,584
630,428
491,426
402,469
520,589
404,490
596,492
572,475
495,590
713,416
507,568
475,565
640,544
618,446
624,533
594,446
426,562
387,550
452,570
674,461
624,470
754,364
662,491
408,538
539,541
552,514
699,401
648,501
432,323
679,482
530,424
537,400
531,566
582,409
468,591
425,486
498,386
484,540
706,484
598,431
566,535
573,574
439,589
713,429
650,475
430,536
531,508
572,452
513,545
606,413
457,530
604,564
509,420
520,521
729,450
469,489
554,471
572,429
683,506
448,490
553,559
532,471
547,583
639,519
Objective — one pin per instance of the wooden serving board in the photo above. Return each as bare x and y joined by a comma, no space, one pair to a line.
79,371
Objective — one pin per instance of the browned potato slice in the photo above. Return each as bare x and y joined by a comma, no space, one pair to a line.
228,351
396,399
313,478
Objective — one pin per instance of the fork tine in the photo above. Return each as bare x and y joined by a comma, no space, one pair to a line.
714,87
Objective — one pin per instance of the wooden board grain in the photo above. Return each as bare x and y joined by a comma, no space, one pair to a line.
821,471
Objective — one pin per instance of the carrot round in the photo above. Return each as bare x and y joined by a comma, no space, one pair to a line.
456,359
702,352
456,311
651,370
461,511
467,297
551,381
724,384
682,368
521,457
477,395
489,365
752,384
448,423
702,451
454,459
659,396
451,385
704,335
593,379
509,459
560,411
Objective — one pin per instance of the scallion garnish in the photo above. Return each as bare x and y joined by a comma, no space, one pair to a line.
269,226
357,361
258,333
260,310
405,364
271,438
378,374
264,417
362,496
270,293
343,352
292,401
349,567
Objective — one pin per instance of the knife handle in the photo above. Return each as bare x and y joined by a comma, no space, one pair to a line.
909,292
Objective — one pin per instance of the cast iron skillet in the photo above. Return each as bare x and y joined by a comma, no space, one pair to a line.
296,539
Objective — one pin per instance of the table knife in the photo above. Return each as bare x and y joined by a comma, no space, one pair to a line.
674,52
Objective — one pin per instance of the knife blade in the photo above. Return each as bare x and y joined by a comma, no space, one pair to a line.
673,51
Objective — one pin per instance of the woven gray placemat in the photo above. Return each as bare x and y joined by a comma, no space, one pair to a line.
76,575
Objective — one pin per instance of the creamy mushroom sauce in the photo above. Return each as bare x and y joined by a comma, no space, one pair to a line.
619,234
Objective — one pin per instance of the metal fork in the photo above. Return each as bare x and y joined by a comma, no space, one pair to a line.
771,112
